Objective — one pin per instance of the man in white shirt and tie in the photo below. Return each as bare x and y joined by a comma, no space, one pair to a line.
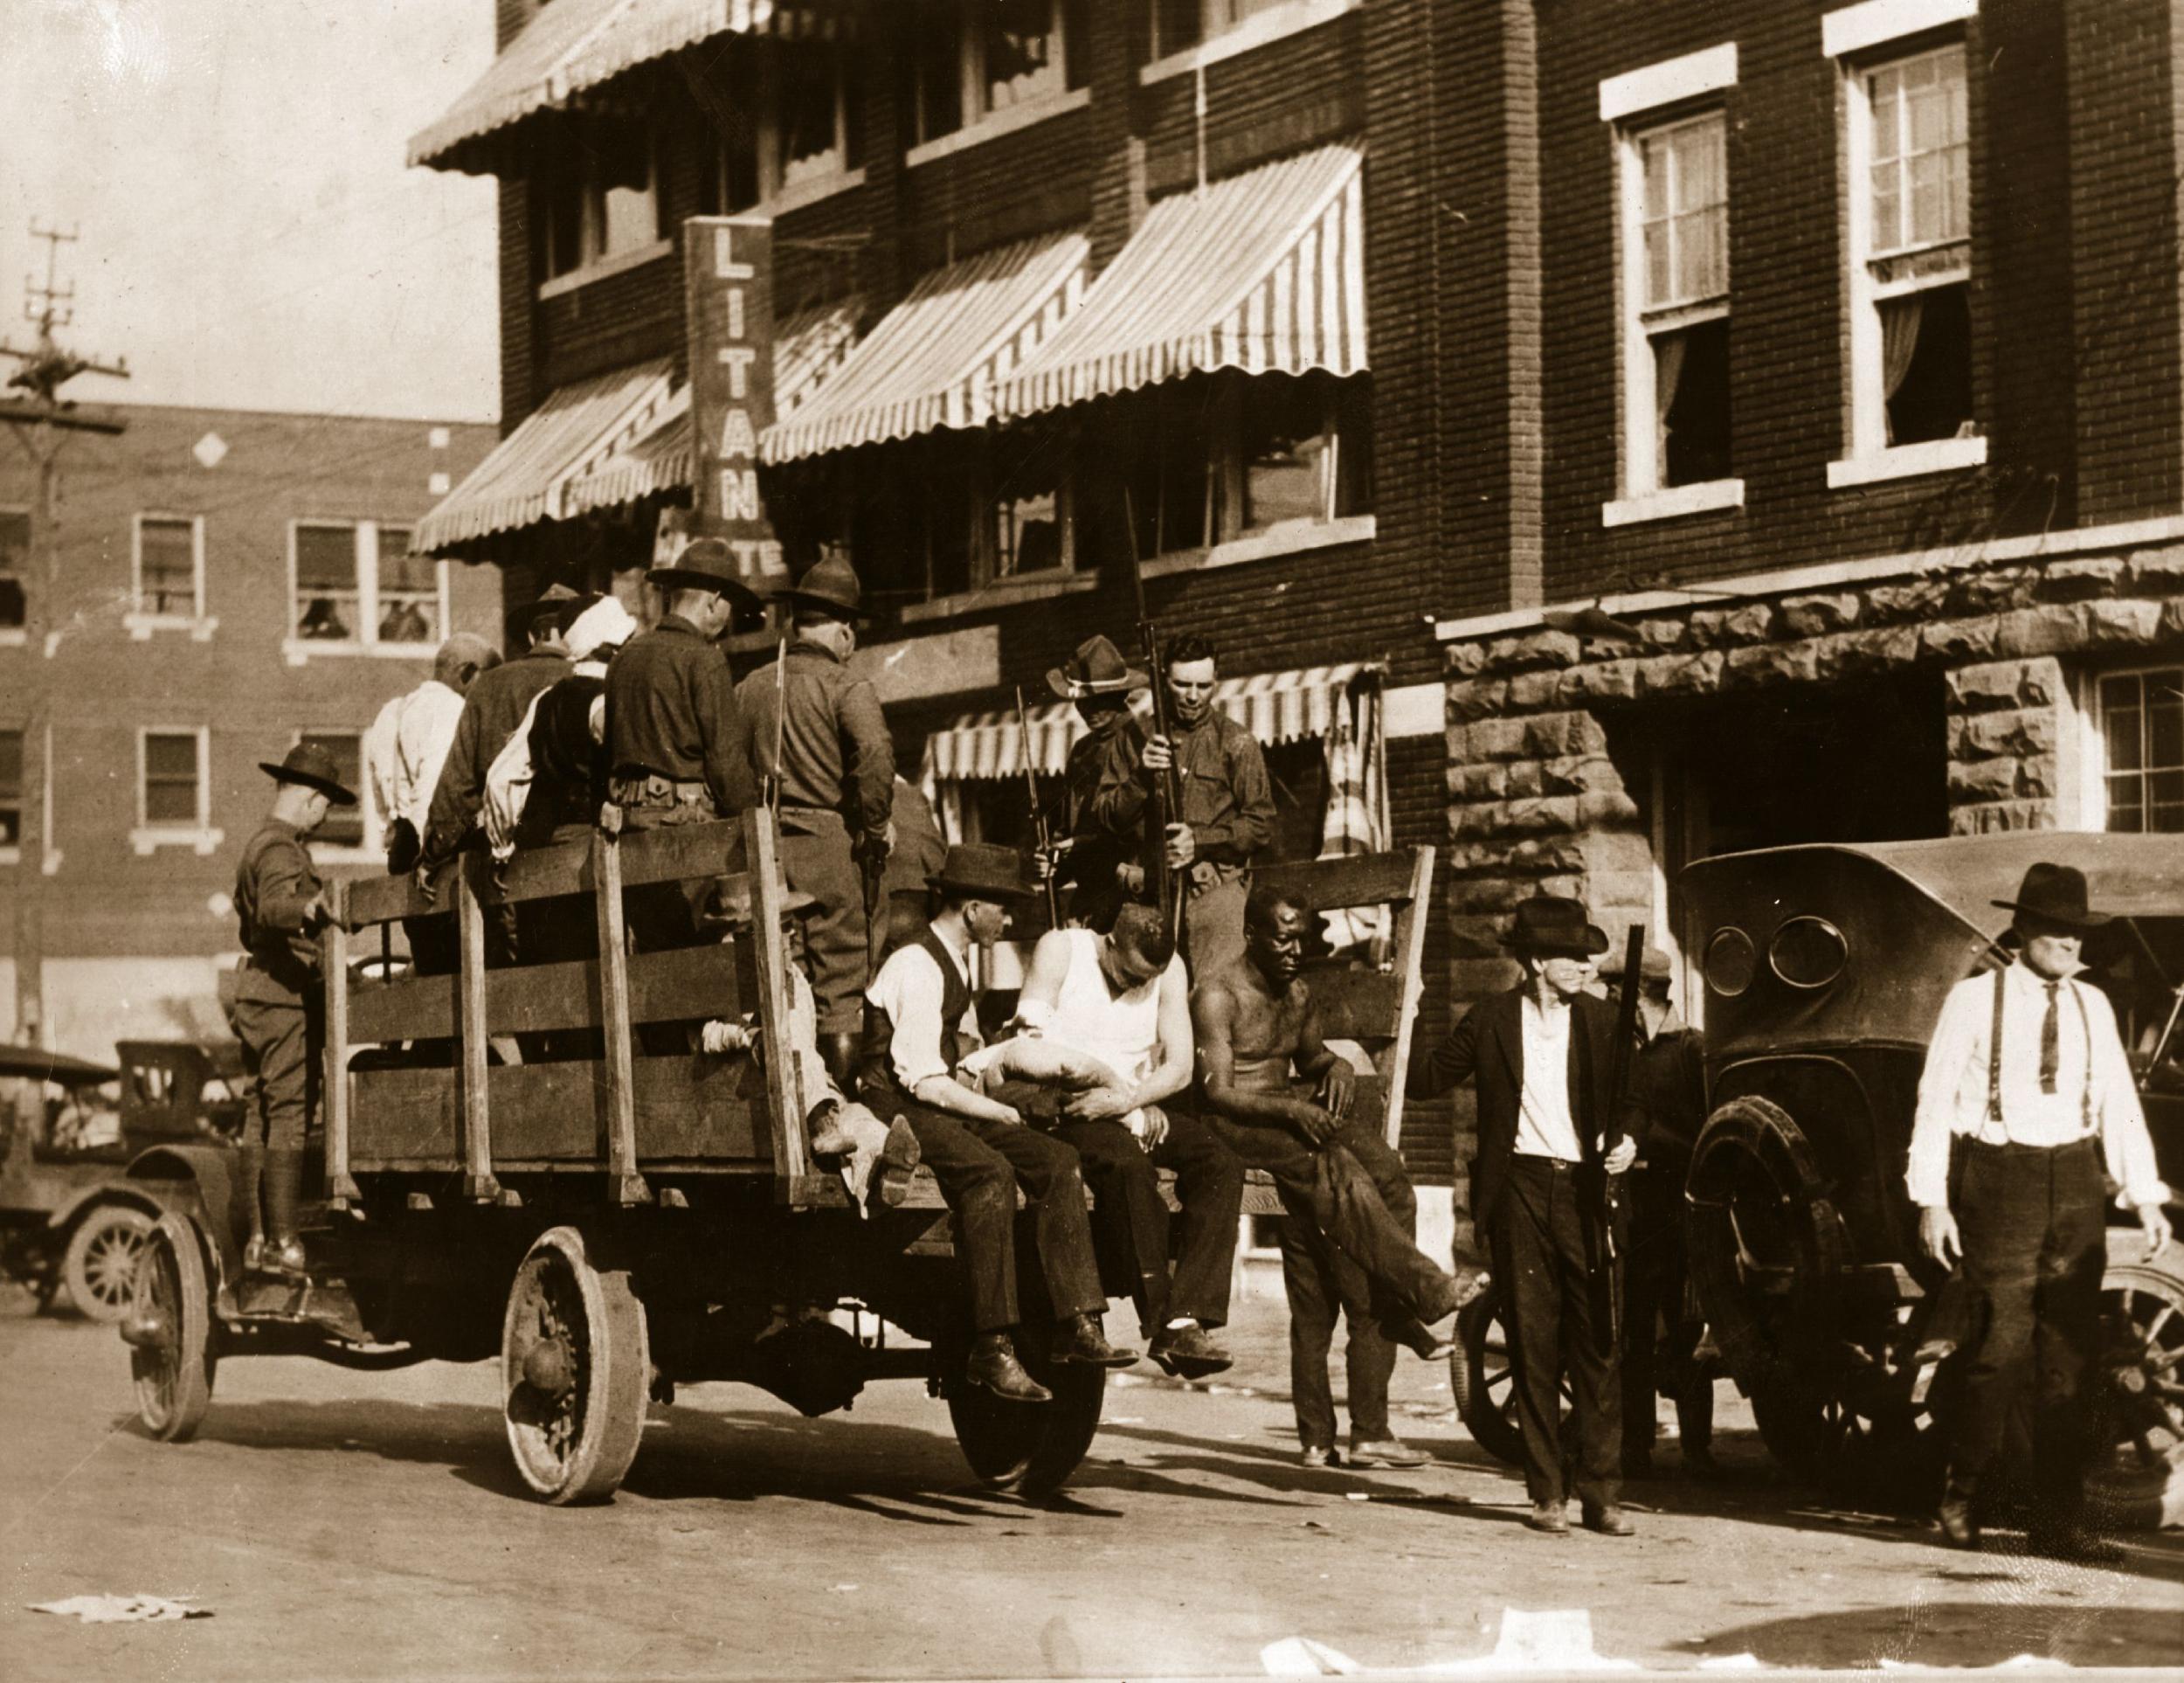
2027,1066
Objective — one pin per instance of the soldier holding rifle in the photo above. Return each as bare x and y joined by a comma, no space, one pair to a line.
1550,1144
1106,796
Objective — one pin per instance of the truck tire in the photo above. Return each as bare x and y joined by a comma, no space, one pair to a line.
1029,1448
173,1353
576,1371
100,1265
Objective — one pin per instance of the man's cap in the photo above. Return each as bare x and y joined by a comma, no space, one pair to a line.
555,602
707,564
1551,925
1097,668
983,870
605,624
730,900
2056,893
312,766
1652,967
832,585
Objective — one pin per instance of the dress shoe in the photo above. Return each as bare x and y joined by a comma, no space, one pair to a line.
2076,1543
1457,1292
284,1257
1080,1342
994,1366
1385,1452
1610,1520
1187,1352
1550,1517
1317,1455
898,1163
1959,1529
1421,1340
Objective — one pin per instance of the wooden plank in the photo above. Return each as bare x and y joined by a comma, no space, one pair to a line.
784,1108
624,1185
531,999
383,899
684,1109
674,853
1355,1004
470,924
341,1191
1365,879
1410,963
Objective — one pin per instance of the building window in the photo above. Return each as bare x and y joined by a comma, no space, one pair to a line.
357,583
977,59
169,567
601,201
173,794
1676,304
1027,526
14,566
10,789
1181,24
792,118
1910,256
346,827
2142,732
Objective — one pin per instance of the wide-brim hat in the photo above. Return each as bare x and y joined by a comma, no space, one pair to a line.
984,871
1097,668
312,766
833,585
1551,925
2057,894
556,602
731,901
707,564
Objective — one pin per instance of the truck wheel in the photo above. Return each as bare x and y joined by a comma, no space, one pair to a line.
101,1263
1484,1383
1029,1448
2136,1481
172,1355
576,1371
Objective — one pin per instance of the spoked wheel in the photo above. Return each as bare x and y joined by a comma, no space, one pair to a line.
101,1265
170,1330
1874,1436
1483,1381
1031,1448
2137,1478
576,1371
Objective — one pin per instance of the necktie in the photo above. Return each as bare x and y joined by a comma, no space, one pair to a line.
2050,1041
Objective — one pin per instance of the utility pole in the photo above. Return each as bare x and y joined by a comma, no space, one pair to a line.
42,421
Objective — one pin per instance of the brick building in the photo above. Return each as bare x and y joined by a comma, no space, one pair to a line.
230,580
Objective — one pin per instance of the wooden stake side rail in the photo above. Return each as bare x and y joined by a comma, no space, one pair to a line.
677,854
537,999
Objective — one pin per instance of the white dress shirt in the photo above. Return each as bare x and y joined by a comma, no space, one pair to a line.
2094,1092
909,989
379,751
424,731
1545,1125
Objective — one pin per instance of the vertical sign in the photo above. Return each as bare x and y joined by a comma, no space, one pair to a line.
729,271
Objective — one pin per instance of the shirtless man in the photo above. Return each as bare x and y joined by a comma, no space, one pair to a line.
1349,1241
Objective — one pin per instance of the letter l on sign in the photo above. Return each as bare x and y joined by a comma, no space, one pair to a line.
724,263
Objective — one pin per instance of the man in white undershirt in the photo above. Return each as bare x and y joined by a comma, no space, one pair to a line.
2026,1068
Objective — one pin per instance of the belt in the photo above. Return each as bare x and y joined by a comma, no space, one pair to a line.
1556,1165
2019,1148
649,789
1204,876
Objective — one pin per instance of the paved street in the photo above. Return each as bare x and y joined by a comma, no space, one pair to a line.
351,1524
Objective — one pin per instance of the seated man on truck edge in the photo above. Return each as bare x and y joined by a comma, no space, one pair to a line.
919,1026
1124,999
1282,1098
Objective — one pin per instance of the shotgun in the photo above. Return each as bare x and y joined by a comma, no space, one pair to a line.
770,788
1619,1056
1166,795
1039,831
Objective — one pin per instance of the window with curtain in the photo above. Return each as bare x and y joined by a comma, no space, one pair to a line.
1921,190
2142,737
409,591
173,780
1676,339
166,566
598,198
329,583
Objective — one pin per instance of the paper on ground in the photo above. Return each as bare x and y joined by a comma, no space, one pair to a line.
123,1609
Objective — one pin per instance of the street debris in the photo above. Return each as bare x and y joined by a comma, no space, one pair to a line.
1557,1641
123,1609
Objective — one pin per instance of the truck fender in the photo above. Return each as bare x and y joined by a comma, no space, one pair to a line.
107,1192
195,1183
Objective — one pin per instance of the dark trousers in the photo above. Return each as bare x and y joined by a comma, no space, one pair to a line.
979,1165
1653,1273
1548,1258
1355,1190
2034,1248
282,1045
1132,1220
816,858
1322,1284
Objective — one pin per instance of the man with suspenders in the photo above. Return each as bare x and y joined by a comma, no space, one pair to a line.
2027,1066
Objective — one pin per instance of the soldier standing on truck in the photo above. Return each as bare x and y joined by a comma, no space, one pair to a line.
1106,796
279,906
819,730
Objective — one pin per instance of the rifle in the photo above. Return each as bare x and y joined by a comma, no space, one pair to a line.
771,785
1039,815
1166,794
1618,1054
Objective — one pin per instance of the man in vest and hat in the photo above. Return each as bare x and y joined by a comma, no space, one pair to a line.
2027,1081
819,729
1539,1056
1106,796
279,1014
920,1027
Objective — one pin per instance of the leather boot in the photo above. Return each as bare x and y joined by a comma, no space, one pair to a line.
840,1050
250,1170
283,1191
898,1162
993,1365
1959,1522
1079,1339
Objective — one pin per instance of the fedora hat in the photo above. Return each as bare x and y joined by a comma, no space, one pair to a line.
556,602
2056,893
983,869
731,901
705,564
313,767
831,584
1654,968
1097,668
1550,926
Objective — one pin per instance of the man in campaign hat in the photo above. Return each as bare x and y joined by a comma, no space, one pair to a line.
279,907
2027,1083
1539,1056
1106,796
819,729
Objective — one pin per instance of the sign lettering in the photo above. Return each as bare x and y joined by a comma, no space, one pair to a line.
728,286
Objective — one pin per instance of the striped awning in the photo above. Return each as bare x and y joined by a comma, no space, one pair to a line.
1262,271
573,433
807,348
570,45
1276,707
934,359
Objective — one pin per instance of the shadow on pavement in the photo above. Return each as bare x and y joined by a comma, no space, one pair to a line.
1957,1634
